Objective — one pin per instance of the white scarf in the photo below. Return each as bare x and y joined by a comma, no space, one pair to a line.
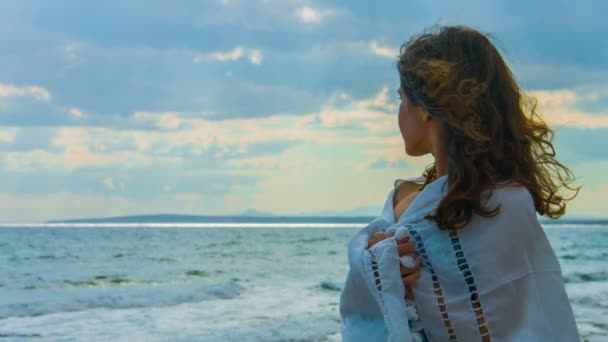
497,279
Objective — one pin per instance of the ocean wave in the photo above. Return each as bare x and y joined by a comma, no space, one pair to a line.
586,256
312,240
66,300
579,277
105,281
162,260
45,257
330,286
197,273
18,335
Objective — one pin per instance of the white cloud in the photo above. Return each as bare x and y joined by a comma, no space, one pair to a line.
8,135
375,114
311,15
81,147
70,53
166,120
109,183
233,55
37,92
384,51
36,159
563,108
255,56
259,163
169,121
76,112
373,119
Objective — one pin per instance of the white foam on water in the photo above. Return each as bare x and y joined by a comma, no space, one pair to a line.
590,303
283,312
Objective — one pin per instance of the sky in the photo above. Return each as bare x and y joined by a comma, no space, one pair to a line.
215,107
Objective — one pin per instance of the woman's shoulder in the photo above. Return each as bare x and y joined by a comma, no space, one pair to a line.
516,215
404,187
413,180
512,197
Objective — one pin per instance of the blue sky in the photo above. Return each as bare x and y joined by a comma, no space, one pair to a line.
215,107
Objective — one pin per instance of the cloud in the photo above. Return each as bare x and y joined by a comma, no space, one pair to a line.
384,51
26,138
255,56
564,108
35,106
309,15
37,92
167,120
258,163
182,138
75,148
382,163
109,183
342,120
8,135
375,114
233,55
76,112
71,52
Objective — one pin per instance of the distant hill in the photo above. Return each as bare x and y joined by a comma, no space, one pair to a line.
253,216
248,218
357,215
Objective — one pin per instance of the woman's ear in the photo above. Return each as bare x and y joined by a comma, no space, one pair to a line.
426,115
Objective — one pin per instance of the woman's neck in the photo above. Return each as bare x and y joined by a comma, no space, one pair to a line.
441,163
441,169
439,151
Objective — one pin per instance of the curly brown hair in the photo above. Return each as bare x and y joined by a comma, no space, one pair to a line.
491,129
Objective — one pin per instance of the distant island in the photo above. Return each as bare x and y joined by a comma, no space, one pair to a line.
253,216
247,218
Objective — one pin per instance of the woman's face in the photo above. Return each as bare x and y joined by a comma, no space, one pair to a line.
415,128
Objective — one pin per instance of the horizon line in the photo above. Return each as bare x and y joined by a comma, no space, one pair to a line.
587,224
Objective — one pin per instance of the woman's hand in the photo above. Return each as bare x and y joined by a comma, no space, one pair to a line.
405,248
378,236
408,274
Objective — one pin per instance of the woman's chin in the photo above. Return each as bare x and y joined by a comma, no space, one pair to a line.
414,153
409,152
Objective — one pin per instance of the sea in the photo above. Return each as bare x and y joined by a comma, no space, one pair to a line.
259,281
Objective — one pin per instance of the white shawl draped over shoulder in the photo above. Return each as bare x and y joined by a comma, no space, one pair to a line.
496,279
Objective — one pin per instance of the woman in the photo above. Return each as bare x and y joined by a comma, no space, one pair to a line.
484,269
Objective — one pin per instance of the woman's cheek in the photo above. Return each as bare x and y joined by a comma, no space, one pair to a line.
401,119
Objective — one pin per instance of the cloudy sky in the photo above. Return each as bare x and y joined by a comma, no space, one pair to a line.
283,106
